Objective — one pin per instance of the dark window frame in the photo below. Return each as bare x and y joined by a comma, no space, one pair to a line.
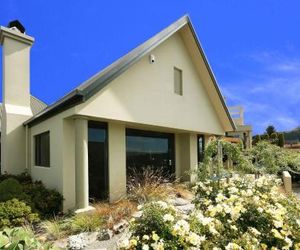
42,159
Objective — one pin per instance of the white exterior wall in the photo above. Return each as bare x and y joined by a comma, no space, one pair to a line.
144,94
116,160
16,99
61,173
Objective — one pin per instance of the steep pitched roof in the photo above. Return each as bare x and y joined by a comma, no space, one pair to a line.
104,77
36,106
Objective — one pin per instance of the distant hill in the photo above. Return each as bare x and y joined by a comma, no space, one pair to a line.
292,136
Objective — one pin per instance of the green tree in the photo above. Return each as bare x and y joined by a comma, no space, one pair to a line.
270,130
281,140
256,139
265,137
274,138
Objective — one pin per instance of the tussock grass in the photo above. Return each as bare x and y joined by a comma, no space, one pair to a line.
149,185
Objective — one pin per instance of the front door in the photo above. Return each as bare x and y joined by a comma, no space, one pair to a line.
145,149
98,160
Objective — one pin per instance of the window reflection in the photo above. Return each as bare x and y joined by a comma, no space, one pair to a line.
149,149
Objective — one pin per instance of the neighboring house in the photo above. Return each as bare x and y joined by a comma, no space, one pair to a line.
155,106
243,131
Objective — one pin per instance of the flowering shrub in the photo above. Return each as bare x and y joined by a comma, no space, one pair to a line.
235,213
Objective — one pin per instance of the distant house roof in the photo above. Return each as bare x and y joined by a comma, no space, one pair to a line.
36,106
86,90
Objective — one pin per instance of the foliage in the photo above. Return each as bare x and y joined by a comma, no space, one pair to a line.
42,200
20,239
160,227
23,178
270,130
10,188
274,138
268,158
265,137
147,185
46,201
281,140
211,167
242,214
256,139
113,213
86,223
16,213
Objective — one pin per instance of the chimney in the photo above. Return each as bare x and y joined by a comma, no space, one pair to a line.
16,109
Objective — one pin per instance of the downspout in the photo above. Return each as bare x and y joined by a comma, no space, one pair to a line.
26,149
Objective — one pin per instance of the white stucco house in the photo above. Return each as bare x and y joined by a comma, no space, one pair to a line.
154,106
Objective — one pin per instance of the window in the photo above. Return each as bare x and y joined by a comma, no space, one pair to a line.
178,81
42,149
201,148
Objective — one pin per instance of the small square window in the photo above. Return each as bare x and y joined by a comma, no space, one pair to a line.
178,81
42,149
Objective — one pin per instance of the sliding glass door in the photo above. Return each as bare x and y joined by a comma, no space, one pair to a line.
149,149
98,160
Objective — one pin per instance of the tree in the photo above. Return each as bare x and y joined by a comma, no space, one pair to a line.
270,130
274,138
256,139
281,140
265,137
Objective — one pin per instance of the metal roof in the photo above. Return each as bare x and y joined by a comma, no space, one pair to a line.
107,75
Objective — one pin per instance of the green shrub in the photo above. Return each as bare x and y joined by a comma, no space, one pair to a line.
256,139
86,223
16,213
242,213
265,137
274,138
23,178
47,202
281,140
11,188
20,239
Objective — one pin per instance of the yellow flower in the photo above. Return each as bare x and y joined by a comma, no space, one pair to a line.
277,234
263,246
133,242
155,237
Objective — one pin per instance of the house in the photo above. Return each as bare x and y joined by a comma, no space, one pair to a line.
243,131
155,106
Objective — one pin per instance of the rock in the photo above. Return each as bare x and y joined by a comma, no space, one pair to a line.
186,209
180,202
137,214
61,244
105,234
120,227
81,240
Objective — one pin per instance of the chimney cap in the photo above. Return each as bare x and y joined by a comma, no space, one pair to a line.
17,24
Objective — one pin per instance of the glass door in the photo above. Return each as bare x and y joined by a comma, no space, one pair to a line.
98,160
146,149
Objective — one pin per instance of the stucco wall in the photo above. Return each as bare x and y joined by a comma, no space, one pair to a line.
145,94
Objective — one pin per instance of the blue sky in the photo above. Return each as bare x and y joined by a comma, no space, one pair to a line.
253,46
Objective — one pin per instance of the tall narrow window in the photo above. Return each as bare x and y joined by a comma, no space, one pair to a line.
201,148
42,149
178,81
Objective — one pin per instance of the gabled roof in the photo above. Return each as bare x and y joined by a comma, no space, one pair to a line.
107,75
36,106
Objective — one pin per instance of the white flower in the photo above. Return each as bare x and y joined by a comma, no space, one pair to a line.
140,207
168,217
146,237
254,231
181,227
163,204
232,246
259,209
278,223
195,239
145,247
